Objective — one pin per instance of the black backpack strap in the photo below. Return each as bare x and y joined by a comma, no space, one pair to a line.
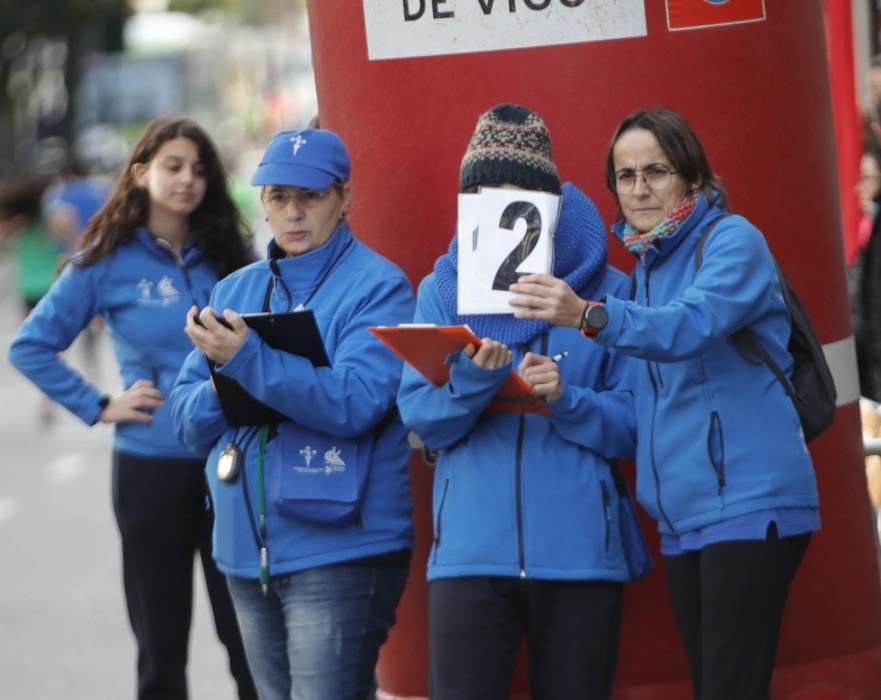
753,351
699,250
746,343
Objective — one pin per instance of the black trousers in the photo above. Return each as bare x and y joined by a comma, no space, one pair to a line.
476,626
163,512
728,599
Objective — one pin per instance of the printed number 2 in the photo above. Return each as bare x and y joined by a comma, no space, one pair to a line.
507,273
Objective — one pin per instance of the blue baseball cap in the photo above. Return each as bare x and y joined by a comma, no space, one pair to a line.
310,158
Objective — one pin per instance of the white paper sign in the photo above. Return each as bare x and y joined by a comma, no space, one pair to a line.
502,234
468,223
408,28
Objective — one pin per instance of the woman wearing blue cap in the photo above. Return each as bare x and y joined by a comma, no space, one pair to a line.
315,582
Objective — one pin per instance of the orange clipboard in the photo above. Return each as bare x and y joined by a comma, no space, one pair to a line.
426,348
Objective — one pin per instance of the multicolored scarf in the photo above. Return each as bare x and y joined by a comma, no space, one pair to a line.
638,243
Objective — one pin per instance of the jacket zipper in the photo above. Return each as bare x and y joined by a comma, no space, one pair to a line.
518,472
654,416
716,428
607,512
518,475
437,524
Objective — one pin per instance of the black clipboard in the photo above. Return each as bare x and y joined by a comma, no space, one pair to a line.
295,332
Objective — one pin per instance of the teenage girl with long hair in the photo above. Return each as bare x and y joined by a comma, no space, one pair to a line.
167,233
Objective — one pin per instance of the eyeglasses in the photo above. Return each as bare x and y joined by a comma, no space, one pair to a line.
656,176
279,200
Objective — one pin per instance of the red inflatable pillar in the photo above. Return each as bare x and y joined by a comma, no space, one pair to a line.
403,82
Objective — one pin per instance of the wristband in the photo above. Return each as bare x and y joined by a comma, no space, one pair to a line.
595,318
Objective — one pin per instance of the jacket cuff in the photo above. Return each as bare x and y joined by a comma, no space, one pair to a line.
241,356
615,309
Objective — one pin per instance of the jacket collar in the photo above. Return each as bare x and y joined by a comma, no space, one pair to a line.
304,271
189,253
665,246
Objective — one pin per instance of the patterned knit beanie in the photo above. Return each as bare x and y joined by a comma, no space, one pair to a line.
511,144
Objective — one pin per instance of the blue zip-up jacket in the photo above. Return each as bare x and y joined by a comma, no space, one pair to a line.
525,495
718,436
143,295
351,287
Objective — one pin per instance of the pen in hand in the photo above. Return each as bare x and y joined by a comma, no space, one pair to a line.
559,356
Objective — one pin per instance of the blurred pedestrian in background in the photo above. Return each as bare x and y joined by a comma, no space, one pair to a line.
168,232
71,203
37,253
871,121
722,463
315,576
68,207
865,287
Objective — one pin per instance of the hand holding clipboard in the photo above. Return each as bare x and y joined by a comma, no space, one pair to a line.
426,348
295,332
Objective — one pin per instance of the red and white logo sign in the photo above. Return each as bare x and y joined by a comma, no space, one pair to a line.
697,14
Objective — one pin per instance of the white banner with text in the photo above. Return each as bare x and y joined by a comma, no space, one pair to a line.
411,28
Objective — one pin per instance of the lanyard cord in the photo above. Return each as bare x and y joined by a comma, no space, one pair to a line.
264,429
277,279
261,505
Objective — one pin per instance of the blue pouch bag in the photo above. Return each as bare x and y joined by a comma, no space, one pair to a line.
316,476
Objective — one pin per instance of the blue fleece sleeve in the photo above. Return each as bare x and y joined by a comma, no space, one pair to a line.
734,286
50,329
354,395
601,418
195,408
443,415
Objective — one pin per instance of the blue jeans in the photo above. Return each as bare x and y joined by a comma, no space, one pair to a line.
316,634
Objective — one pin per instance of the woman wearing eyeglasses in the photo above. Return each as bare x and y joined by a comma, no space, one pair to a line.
721,460
313,509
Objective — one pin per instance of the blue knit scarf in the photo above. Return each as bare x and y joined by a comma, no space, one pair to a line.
579,259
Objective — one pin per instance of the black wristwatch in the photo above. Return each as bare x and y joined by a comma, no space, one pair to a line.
104,402
595,319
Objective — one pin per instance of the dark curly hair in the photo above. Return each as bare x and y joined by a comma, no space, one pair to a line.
216,223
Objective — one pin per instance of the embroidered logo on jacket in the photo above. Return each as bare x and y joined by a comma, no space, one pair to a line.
166,292
332,460
308,453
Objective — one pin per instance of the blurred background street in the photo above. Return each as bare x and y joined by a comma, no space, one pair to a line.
63,626
78,82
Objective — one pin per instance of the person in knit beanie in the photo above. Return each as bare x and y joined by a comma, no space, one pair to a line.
510,145
533,537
